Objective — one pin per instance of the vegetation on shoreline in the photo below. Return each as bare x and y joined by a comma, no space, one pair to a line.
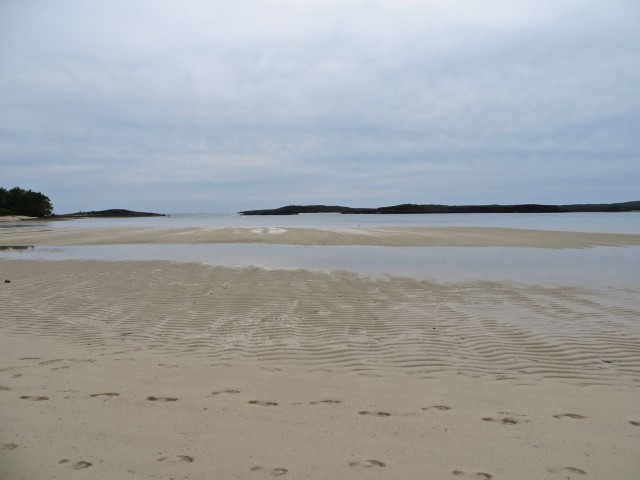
19,202
409,208
24,202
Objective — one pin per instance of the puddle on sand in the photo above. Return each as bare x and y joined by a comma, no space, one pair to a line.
600,266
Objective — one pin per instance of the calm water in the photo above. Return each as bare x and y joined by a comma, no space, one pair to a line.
596,267
600,267
627,222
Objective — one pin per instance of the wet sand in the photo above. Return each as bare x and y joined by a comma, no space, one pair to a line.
381,236
160,370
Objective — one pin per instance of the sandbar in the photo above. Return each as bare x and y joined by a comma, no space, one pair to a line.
380,236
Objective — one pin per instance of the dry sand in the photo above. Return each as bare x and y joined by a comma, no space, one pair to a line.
158,370
382,236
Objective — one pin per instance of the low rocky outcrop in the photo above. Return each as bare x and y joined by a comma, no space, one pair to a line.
411,208
114,212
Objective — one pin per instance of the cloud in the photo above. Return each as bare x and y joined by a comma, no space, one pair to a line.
322,101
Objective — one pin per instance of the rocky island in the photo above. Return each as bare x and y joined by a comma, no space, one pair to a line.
411,208
110,213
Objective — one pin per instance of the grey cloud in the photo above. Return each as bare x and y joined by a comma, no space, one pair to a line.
335,102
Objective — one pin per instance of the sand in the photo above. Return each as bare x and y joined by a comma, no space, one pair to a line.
14,218
164,370
382,236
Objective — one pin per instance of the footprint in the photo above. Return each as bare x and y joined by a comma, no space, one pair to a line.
504,421
575,416
31,358
367,463
75,465
333,402
375,414
442,408
181,458
4,389
49,362
579,471
276,472
162,399
8,446
83,360
225,391
33,398
262,404
634,423
271,369
108,394
482,475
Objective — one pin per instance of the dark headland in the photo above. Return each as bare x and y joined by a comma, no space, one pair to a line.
413,208
111,213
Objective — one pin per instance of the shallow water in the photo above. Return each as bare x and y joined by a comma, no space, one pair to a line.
624,222
597,267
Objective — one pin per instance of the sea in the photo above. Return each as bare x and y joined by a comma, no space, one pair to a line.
622,222
593,267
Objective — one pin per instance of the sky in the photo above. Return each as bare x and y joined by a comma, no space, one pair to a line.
218,106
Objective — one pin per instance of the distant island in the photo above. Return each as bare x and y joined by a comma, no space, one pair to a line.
411,208
114,212
18,202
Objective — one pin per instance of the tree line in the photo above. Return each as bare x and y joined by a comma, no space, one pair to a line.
24,202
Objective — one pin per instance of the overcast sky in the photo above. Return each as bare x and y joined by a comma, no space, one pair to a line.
218,106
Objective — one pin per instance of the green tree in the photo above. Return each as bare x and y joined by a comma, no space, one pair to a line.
25,202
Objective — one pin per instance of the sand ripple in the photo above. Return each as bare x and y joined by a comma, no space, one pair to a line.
338,321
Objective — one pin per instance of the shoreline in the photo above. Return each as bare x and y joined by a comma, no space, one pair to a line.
15,218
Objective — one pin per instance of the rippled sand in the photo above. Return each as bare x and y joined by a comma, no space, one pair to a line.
143,369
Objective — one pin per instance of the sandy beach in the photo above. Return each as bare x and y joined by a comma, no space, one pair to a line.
167,370
344,240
